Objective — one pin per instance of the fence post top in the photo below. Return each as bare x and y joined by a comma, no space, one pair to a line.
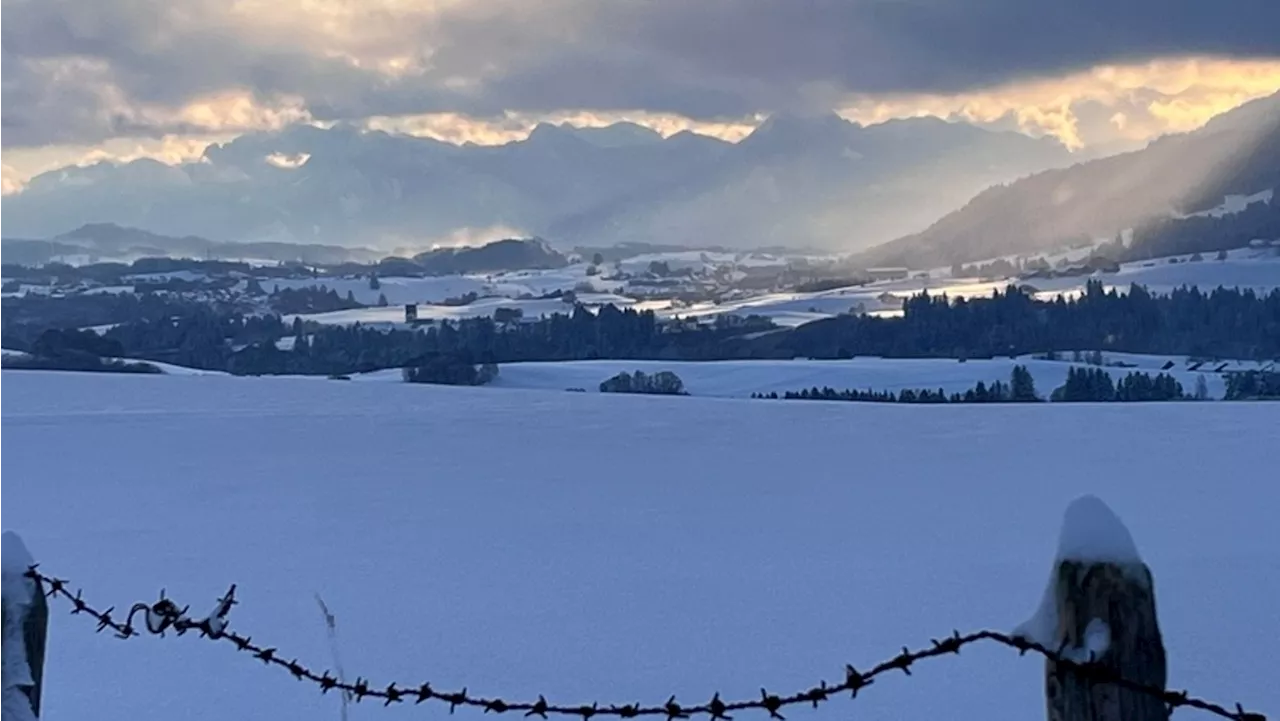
1092,532
15,561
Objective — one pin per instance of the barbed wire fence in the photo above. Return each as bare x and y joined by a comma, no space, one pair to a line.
166,615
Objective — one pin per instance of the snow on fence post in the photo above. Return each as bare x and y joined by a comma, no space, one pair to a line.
25,629
1099,608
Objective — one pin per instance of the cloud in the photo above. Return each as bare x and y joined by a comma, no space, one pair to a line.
87,70
10,179
511,126
1103,105
716,59
84,71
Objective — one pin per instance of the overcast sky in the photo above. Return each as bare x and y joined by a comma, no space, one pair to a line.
121,78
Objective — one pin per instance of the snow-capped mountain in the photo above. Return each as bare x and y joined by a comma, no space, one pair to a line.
801,181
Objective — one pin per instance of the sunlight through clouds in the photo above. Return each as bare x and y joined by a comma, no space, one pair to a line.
1140,102
1143,101
84,77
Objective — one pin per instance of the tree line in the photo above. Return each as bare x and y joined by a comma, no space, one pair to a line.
1082,385
1223,323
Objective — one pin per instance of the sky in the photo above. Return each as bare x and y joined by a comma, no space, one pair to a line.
86,80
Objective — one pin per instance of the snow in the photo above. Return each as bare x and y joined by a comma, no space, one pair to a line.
18,594
434,289
101,329
110,290
15,559
172,369
1244,268
190,276
614,548
792,309
1097,639
1232,204
28,288
393,315
1259,270
1091,533
699,261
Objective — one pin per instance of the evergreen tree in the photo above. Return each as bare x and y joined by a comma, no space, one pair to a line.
1022,385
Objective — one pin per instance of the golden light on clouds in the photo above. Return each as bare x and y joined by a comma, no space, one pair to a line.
171,149
1096,108
21,165
9,180
1140,102
459,129
235,111
361,29
1137,103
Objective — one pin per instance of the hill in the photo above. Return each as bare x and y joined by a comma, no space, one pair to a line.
108,242
94,242
796,181
1237,153
498,256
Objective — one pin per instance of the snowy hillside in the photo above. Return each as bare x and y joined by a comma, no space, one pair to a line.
620,549
1245,268
434,289
393,315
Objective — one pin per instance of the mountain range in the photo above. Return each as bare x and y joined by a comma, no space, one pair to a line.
95,242
811,181
1236,153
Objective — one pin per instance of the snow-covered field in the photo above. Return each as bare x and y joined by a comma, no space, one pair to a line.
739,379
1245,268
615,548
393,315
698,260
742,378
400,291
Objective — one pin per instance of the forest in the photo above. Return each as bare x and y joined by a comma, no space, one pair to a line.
1188,322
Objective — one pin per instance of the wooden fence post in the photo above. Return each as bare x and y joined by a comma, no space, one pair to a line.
1121,596
25,627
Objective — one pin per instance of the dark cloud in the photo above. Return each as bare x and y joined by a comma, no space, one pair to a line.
724,57
699,58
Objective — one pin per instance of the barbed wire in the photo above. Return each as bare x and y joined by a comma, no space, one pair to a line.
165,615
